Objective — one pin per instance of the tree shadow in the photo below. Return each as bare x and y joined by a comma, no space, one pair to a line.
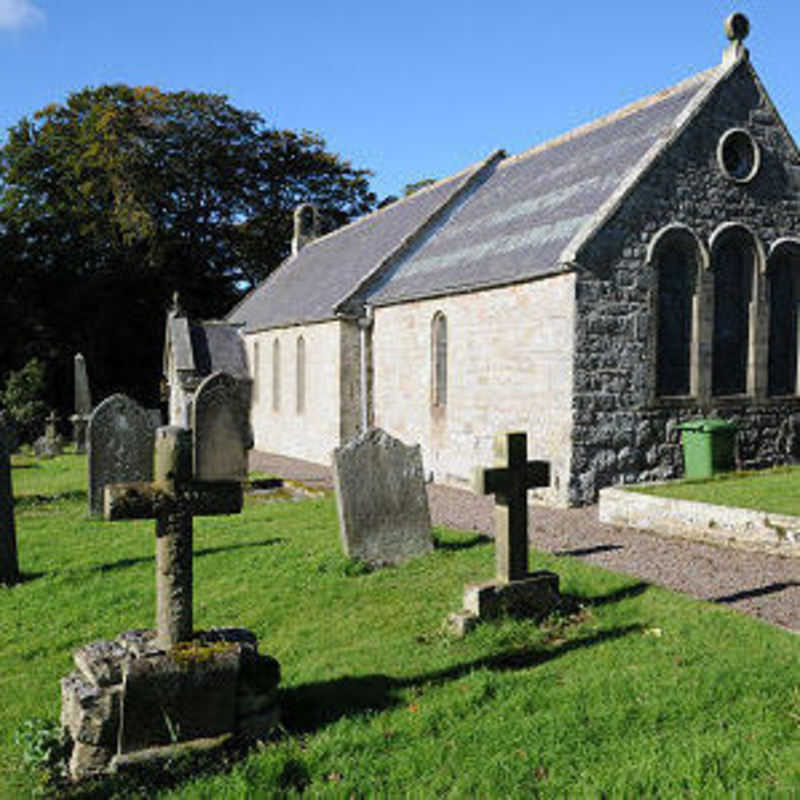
746,594
312,706
124,563
588,551
473,541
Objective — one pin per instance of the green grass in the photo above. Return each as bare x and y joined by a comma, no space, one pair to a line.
643,693
776,490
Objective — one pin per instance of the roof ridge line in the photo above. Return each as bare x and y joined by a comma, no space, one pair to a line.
569,255
614,116
395,204
480,170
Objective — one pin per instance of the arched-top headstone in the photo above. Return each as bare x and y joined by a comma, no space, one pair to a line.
221,430
121,438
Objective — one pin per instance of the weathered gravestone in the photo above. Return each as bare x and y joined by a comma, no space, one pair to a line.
9,567
121,436
50,444
83,404
381,499
515,590
135,699
221,430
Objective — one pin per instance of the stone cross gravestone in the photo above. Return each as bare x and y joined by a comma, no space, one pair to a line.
49,445
381,499
221,430
514,590
121,436
83,404
509,483
9,567
131,698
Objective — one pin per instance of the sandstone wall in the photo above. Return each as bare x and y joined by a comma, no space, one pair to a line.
312,433
509,354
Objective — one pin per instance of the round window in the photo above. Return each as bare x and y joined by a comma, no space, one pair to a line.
738,155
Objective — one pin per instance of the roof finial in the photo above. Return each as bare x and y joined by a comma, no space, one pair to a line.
737,26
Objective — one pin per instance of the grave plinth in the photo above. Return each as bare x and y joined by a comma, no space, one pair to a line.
514,591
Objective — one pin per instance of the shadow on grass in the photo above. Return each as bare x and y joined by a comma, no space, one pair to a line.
314,705
124,563
473,541
24,577
614,597
746,594
27,500
589,551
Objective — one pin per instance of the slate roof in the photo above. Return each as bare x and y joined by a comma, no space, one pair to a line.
307,287
205,347
496,223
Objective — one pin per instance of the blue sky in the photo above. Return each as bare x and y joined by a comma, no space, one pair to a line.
409,90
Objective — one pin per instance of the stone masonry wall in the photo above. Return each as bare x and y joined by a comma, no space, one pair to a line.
313,433
509,356
622,432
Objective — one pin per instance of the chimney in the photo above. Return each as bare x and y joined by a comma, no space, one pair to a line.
306,226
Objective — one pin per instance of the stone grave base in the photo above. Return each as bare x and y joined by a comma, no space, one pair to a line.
534,596
130,702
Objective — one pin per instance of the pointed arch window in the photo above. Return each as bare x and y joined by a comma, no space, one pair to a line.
783,287
256,372
733,263
678,258
439,360
300,379
276,375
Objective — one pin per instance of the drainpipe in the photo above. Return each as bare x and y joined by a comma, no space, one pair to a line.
364,325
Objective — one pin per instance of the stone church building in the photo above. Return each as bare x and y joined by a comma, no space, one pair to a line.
594,292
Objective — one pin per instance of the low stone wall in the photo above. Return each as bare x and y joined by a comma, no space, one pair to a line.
128,698
740,527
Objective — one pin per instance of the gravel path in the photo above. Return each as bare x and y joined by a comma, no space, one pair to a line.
760,584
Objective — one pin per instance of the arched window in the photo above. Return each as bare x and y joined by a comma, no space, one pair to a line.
439,359
256,372
676,261
784,295
300,381
276,375
733,263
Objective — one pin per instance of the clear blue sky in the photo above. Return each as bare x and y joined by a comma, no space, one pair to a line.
414,89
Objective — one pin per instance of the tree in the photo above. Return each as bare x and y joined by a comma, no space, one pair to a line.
120,196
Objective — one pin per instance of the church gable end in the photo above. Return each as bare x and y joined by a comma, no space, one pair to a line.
679,312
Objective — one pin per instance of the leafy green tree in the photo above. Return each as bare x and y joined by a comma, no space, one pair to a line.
120,196
23,400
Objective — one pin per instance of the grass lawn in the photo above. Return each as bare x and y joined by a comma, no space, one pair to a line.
775,490
644,692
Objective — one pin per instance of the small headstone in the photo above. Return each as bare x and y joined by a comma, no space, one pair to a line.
221,430
380,495
121,439
50,444
9,568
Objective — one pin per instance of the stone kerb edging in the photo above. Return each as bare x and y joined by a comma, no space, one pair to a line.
739,527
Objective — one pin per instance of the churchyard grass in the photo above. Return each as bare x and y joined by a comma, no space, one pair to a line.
774,490
642,692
